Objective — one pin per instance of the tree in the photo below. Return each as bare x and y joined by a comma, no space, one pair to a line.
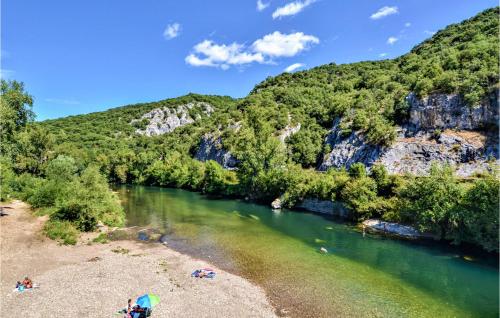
214,178
357,170
32,149
360,196
430,201
15,111
477,216
61,169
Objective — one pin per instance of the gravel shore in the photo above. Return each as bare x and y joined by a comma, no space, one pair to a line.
96,280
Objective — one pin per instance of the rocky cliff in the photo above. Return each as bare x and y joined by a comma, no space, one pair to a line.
211,148
164,120
441,111
441,129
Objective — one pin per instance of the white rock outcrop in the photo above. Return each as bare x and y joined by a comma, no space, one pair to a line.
277,204
164,120
288,131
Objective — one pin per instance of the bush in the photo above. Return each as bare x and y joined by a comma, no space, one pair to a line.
7,180
86,200
44,193
101,238
360,196
24,185
79,213
357,170
477,216
381,177
93,189
430,201
61,169
62,231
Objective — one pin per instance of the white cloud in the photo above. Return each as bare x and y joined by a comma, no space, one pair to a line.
208,53
429,32
383,12
391,40
293,67
278,44
261,6
172,31
407,24
382,55
292,8
274,45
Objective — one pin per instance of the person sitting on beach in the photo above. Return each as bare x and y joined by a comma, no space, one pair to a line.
202,274
138,312
27,283
128,310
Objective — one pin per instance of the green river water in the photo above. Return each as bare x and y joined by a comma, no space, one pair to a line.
361,276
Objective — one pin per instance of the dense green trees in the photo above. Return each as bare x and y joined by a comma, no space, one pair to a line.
429,202
476,219
15,111
76,197
458,211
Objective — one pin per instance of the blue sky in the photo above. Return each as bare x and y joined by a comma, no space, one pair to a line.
82,56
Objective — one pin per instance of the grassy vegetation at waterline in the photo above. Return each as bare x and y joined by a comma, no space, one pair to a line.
55,163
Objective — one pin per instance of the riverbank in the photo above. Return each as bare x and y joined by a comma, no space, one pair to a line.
95,280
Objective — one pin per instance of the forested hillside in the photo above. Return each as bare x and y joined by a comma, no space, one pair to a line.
370,96
277,137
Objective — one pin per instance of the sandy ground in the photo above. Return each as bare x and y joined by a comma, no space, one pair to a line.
96,280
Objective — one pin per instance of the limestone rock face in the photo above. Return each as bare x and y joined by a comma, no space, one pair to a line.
441,111
347,150
288,131
323,206
441,129
164,120
211,148
467,151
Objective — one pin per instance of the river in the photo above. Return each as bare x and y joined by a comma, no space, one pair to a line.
360,276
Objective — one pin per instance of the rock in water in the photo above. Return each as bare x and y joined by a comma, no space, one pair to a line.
276,204
396,229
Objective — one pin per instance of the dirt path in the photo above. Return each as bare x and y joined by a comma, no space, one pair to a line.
96,280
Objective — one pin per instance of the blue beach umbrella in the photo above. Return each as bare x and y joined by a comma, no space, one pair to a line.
147,301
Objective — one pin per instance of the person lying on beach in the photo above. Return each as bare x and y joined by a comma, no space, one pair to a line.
27,283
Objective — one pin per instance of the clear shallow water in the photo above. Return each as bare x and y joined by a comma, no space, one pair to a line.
360,276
